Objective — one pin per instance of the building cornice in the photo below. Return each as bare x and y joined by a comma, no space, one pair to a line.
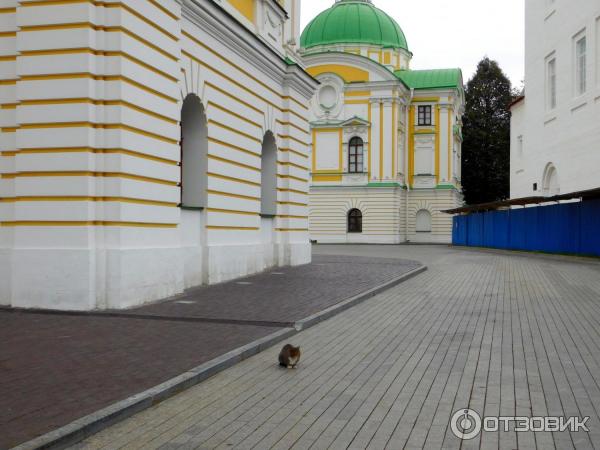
254,51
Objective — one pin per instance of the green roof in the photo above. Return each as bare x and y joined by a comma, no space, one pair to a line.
431,79
353,22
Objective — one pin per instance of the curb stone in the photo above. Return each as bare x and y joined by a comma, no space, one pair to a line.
91,424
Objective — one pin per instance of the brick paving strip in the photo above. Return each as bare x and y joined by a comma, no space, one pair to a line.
61,373
500,334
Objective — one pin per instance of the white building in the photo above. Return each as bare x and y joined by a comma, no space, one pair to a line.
95,98
555,128
386,152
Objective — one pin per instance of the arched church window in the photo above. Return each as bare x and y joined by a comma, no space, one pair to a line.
194,153
268,176
355,221
423,221
355,155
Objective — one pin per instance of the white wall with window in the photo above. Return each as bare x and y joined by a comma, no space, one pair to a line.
559,118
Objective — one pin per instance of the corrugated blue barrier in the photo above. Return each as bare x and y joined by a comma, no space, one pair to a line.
564,228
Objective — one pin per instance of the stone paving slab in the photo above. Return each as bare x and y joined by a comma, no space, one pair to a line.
498,334
283,296
55,368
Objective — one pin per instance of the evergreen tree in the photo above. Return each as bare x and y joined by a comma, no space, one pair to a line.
486,135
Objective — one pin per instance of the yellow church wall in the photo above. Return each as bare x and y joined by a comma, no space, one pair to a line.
245,7
348,73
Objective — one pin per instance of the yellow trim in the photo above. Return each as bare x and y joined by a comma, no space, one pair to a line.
95,223
233,130
84,173
425,99
246,73
285,136
425,131
437,143
108,53
73,76
293,125
232,211
8,10
107,126
293,191
291,177
8,58
234,147
86,199
234,163
7,82
387,58
105,5
348,73
369,145
229,194
9,129
8,34
287,163
292,203
357,93
450,159
234,179
239,100
295,152
356,102
215,227
284,216
394,138
291,230
92,150
165,10
234,114
381,149
411,145
326,178
70,101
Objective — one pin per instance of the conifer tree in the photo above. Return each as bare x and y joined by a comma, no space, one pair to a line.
486,135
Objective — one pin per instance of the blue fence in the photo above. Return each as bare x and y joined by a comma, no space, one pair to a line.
563,228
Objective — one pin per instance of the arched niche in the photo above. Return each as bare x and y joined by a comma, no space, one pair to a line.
194,153
268,176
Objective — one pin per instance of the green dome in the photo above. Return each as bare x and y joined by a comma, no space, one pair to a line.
353,22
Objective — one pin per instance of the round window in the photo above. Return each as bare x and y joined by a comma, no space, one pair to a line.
328,97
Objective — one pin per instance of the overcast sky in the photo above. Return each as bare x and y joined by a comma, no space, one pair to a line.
454,33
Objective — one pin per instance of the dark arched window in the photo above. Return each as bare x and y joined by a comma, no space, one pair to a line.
354,221
355,155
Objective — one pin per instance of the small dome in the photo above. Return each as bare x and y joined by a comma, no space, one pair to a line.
353,22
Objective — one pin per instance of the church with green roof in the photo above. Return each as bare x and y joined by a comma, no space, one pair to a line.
386,139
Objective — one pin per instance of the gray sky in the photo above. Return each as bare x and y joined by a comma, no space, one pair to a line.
454,33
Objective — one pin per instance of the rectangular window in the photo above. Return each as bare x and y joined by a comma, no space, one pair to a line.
580,66
551,84
424,115
598,51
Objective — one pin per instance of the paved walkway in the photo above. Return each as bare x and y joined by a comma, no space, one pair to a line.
55,368
499,334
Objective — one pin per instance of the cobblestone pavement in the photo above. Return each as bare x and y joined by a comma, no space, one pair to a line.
55,368
501,334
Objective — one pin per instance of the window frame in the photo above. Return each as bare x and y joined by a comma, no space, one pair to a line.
354,221
580,61
427,116
551,83
356,147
